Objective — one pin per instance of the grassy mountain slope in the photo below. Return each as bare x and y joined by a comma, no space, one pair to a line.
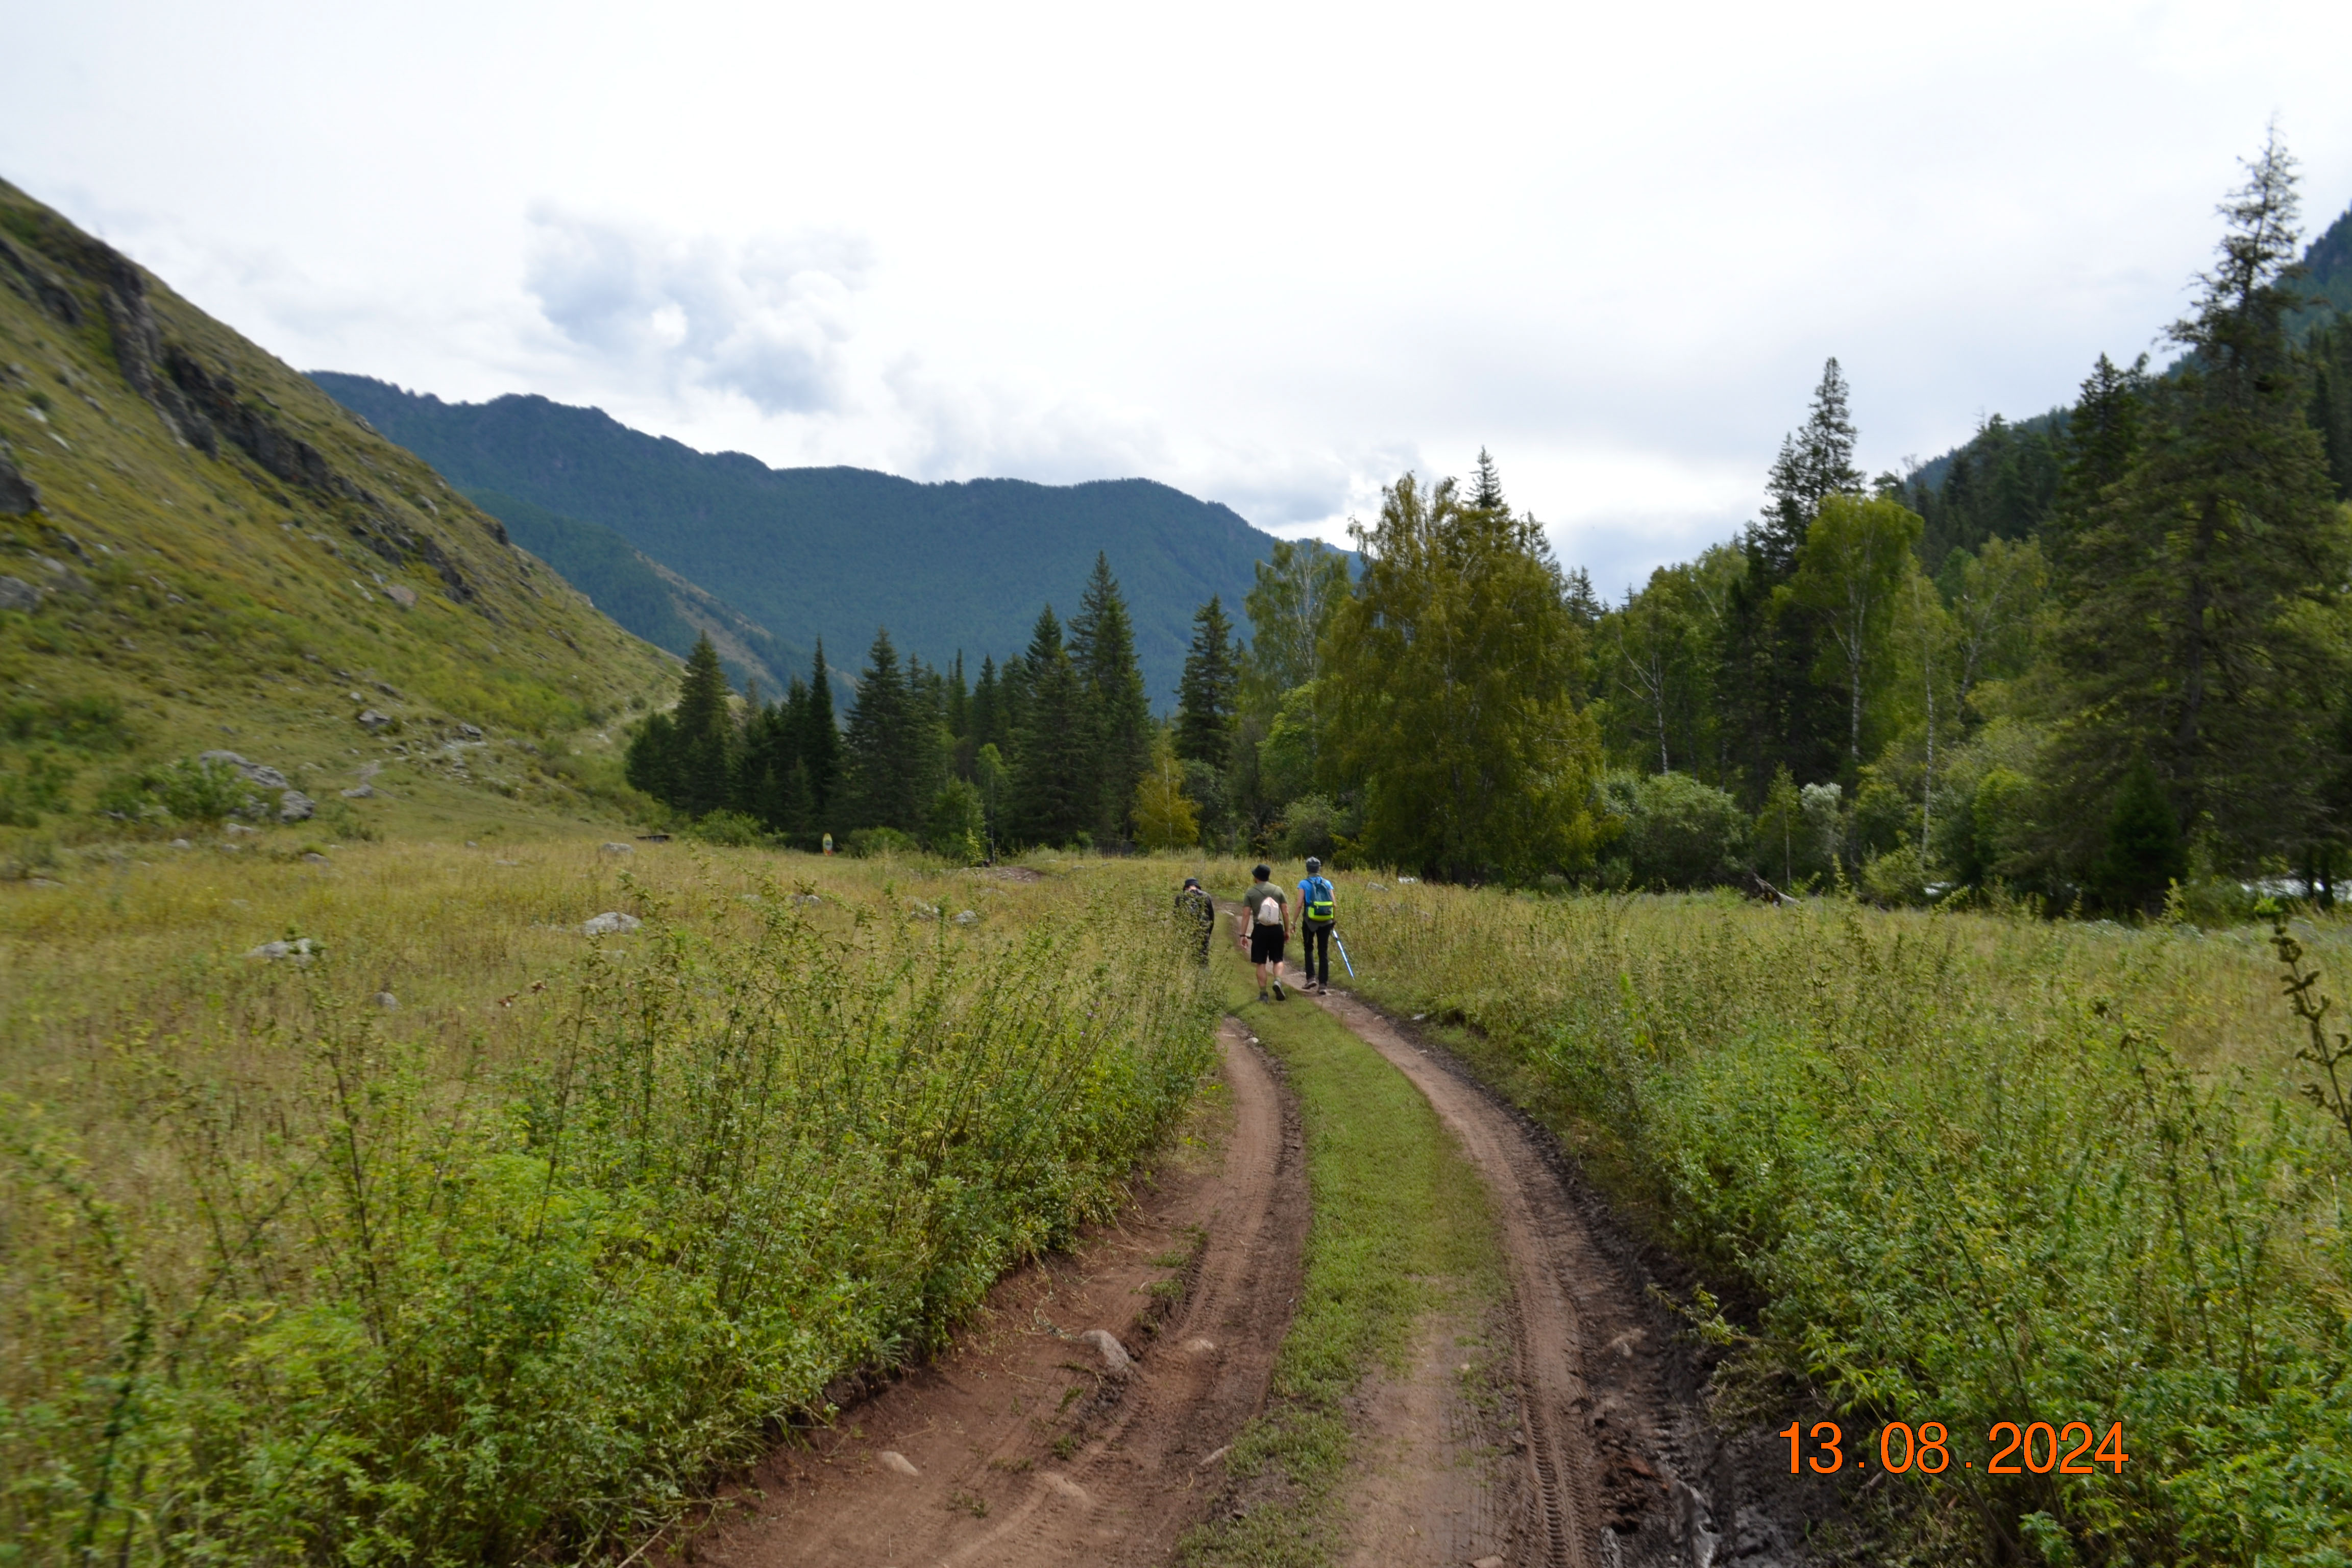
199,550
643,595
834,553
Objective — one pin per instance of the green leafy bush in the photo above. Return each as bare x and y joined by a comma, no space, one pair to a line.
957,828
867,843
39,786
91,724
1676,832
732,829
1313,825
186,790
1897,879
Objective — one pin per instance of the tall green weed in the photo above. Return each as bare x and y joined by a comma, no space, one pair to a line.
390,1308
1959,1181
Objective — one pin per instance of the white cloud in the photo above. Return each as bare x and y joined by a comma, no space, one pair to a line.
951,428
769,320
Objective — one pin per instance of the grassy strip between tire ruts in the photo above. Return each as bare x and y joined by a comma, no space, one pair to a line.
1400,1227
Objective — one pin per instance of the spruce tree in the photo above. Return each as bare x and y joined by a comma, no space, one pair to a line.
1584,606
959,719
1014,682
768,756
2144,855
986,716
874,751
2104,433
1119,710
2206,581
1487,485
1052,769
1210,691
650,763
2331,400
706,734
926,750
1772,714
820,742
795,804
1815,461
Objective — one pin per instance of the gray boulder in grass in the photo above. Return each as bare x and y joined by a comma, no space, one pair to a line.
612,923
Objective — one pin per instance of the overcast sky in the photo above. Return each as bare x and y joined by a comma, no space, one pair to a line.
1271,253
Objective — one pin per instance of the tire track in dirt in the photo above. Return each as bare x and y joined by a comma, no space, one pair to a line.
1026,1449
1607,1438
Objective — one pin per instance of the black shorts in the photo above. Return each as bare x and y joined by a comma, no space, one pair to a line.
1265,943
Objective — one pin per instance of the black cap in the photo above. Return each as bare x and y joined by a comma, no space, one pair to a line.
1261,872
1192,881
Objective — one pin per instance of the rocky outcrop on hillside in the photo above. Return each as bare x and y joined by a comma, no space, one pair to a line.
202,404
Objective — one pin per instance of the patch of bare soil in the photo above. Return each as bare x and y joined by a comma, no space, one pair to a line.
1028,1444
1619,1466
1437,1479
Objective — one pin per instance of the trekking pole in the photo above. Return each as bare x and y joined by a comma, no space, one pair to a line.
1342,945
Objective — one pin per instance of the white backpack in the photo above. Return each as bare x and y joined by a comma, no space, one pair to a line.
1269,913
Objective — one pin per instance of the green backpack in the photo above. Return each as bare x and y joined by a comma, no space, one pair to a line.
1319,898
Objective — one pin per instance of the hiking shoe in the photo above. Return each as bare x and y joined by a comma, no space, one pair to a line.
1261,995
1279,994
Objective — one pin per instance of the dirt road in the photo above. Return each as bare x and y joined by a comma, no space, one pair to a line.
1025,1446
1621,1467
1564,1429
1591,1438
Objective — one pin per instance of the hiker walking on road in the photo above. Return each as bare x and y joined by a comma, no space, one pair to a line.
1318,918
1266,913
1195,910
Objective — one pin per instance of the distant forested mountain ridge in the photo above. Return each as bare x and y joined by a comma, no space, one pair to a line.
642,594
836,553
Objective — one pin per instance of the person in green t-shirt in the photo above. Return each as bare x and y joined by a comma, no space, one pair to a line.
1265,915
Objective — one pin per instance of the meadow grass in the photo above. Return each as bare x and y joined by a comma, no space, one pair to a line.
1960,1169
1400,1229
509,1270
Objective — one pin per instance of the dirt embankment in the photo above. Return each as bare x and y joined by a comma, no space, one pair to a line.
1026,1445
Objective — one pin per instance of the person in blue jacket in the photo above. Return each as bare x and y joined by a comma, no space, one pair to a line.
1319,916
